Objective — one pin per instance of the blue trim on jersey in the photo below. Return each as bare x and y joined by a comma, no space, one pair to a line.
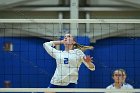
71,85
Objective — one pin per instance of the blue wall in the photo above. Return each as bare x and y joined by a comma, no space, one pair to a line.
114,53
29,65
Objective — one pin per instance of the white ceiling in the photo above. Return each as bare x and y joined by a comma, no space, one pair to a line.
26,4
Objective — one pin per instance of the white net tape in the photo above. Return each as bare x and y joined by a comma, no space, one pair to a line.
70,20
68,90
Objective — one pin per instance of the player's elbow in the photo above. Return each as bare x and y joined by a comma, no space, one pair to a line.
45,44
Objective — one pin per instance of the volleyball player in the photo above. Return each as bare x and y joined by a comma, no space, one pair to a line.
68,61
119,77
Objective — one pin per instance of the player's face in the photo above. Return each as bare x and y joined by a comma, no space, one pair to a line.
119,76
68,39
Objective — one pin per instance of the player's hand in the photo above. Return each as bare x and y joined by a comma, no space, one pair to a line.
62,42
91,47
88,59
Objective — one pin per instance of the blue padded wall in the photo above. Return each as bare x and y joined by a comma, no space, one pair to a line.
114,53
28,65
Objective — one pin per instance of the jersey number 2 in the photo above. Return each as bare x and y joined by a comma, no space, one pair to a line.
66,60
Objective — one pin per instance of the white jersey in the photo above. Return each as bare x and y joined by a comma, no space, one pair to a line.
68,63
124,86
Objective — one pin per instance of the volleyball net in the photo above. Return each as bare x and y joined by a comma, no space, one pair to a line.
26,67
93,28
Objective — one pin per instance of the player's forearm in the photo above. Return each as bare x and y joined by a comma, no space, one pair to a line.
91,66
57,42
